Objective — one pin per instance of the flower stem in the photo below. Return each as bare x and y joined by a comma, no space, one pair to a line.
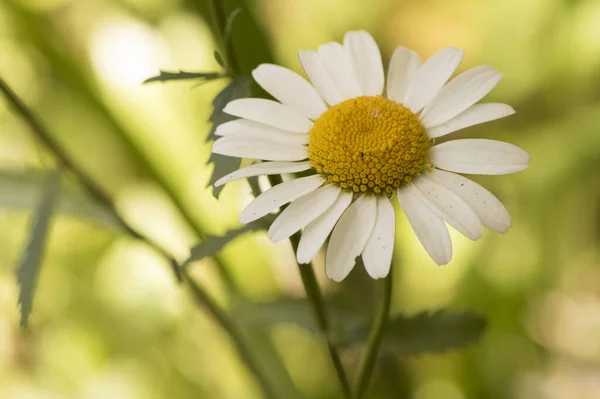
201,297
315,297
367,363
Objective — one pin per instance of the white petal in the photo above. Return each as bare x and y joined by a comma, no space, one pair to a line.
270,113
367,61
315,69
429,79
290,89
234,126
403,66
479,156
476,114
429,228
303,211
315,234
349,237
264,168
341,69
279,195
249,130
450,207
486,206
377,255
269,150
459,94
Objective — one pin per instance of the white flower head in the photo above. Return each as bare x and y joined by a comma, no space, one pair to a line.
368,141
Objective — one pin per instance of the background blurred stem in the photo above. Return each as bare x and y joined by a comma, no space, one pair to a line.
235,334
36,30
201,297
315,297
368,361
65,160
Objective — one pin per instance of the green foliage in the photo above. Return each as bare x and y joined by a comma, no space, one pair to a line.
285,310
166,76
238,88
432,332
427,332
21,191
29,266
213,244
346,323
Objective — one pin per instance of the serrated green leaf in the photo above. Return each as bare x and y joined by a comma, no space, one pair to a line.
291,310
280,311
166,76
430,332
20,190
29,266
423,333
213,244
238,88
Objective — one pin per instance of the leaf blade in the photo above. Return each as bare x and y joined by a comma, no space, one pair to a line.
432,332
166,76
19,190
213,244
223,165
29,266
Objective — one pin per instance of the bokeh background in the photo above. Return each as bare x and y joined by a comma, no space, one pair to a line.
110,321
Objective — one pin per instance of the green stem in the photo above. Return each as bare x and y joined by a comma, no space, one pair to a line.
236,336
315,297
101,196
367,363
219,18
37,31
65,160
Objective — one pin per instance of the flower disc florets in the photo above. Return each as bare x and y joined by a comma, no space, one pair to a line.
368,144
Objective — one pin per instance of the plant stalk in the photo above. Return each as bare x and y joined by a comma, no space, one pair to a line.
315,298
201,297
369,358
219,18
236,336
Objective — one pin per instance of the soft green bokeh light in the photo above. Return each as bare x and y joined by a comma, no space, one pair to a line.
110,321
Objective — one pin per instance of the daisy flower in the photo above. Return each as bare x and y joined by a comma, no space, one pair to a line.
363,141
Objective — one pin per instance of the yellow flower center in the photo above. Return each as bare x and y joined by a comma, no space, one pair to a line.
368,143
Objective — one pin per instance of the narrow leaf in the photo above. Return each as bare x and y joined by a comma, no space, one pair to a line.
430,332
213,244
166,76
238,88
284,310
292,310
20,190
29,266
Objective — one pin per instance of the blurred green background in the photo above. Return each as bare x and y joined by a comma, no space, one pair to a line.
110,321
